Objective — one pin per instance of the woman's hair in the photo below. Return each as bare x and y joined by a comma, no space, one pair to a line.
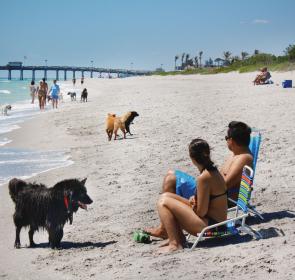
199,150
32,83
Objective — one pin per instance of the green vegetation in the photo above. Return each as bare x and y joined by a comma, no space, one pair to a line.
242,64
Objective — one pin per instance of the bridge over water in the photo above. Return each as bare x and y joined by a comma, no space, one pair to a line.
66,69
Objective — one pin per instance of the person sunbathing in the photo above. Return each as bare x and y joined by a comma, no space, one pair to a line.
207,207
263,77
185,185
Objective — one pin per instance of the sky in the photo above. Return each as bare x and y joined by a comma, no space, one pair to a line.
140,34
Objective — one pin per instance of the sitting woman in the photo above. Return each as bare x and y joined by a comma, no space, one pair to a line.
207,207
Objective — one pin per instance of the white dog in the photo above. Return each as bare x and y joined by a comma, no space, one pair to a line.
4,110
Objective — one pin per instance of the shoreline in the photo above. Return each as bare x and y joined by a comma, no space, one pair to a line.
125,176
31,164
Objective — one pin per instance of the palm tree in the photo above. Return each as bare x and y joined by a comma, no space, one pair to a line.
182,58
175,59
200,58
186,59
226,55
244,55
196,62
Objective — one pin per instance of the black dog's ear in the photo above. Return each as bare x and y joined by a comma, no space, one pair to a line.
83,181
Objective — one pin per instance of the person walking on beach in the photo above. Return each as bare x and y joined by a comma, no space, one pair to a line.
74,81
46,88
185,185
33,90
54,91
41,92
82,80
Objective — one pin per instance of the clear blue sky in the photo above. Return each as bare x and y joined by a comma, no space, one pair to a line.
147,33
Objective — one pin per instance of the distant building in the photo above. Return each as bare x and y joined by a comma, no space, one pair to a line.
15,63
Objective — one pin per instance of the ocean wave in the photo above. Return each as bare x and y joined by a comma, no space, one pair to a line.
5,91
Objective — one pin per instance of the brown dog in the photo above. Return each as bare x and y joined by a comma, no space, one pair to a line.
113,124
110,125
124,123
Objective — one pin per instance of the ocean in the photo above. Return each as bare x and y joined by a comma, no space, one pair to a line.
19,162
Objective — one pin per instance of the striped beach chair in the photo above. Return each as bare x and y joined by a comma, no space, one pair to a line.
241,212
254,148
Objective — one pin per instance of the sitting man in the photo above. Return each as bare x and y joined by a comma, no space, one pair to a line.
238,139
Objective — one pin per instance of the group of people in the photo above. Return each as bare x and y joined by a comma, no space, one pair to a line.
42,93
192,204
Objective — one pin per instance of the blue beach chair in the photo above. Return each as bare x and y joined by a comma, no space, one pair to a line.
254,148
241,212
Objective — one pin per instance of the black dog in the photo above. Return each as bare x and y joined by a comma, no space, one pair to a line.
84,95
129,120
73,95
37,206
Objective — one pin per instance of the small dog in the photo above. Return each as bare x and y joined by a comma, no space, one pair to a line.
37,206
73,95
114,123
84,95
49,98
110,125
5,110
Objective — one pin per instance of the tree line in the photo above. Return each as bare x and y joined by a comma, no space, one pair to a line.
189,62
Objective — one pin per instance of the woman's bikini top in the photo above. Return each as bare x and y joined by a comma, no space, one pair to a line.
213,196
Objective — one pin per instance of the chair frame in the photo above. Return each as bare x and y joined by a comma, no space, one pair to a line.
238,219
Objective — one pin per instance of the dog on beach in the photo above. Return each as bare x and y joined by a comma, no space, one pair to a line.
4,110
113,124
110,125
37,206
73,95
84,95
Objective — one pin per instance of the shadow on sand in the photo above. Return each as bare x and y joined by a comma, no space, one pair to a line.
266,233
75,245
267,217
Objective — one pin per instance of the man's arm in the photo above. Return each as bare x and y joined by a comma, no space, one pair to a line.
233,176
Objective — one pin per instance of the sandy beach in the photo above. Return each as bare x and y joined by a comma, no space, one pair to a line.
124,179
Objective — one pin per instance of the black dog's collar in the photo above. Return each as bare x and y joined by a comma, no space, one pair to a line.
70,213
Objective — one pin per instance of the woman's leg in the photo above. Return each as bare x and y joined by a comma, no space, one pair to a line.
40,101
175,237
169,182
176,215
169,186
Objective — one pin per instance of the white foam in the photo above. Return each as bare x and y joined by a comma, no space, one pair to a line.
5,129
4,141
5,91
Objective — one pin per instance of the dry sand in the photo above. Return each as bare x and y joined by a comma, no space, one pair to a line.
125,176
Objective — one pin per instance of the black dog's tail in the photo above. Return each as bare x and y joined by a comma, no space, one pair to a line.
15,186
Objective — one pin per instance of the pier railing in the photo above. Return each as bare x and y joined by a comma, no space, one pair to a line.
73,69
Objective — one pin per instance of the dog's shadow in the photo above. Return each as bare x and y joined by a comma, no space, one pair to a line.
76,245
131,137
